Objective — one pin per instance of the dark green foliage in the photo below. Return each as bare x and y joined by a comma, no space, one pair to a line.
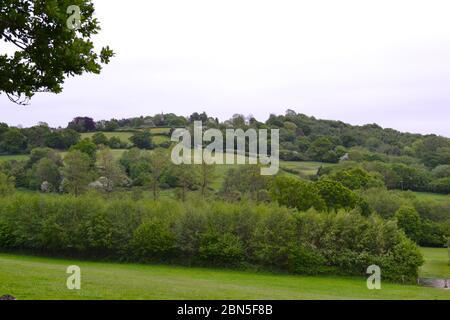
99,138
142,140
47,50
13,141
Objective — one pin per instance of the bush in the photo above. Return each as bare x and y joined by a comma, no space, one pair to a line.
153,239
221,249
206,232
303,260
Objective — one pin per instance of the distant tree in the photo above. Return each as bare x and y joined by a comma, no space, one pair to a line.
115,143
70,137
207,174
408,219
16,170
45,170
356,178
37,136
295,193
442,171
322,149
76,172
336,196
99,138
187,178
6,185
203,117
111,125
159,161
48,49
246,180
142,140
82,124
87,147
13,141
40,153
110,169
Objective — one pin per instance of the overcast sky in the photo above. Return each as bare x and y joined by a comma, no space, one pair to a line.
358,61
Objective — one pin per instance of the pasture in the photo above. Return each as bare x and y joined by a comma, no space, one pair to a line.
28,277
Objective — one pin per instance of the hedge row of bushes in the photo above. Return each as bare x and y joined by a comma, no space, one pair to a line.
207,233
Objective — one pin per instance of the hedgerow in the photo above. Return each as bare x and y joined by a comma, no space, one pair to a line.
207,233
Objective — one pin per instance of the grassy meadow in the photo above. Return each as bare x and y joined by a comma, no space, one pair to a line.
28,277
436,263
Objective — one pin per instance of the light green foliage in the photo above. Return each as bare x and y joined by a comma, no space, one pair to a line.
99,138
246,180
296,193
76,172
87,147
335,195
110,169
6,185
356,178
46,170
409,221
153,239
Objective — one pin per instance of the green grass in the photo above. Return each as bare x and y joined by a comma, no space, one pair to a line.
305,167
124,136
44,278
18,157
432,196
436,263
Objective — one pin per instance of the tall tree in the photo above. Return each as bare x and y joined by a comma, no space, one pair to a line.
52,41
76,172
207,176
110,169
159,161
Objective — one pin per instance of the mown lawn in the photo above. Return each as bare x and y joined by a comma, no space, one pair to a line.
43,278
436,263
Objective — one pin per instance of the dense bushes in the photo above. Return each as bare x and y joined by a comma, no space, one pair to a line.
207,233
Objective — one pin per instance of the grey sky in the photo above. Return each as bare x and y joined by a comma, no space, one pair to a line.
358,61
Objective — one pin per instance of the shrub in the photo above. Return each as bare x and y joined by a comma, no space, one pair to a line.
221,249
153,239
205,233
304,260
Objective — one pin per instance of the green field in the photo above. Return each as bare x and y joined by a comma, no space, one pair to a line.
305,167
432,196
124,136
436,263
18,157
42,278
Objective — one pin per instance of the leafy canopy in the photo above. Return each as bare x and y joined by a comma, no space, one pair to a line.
47,50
